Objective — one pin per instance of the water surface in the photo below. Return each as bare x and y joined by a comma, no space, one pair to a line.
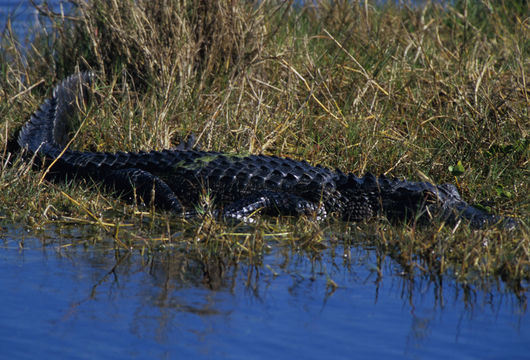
89,301
23,17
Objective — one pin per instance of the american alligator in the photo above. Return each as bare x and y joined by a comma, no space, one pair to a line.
238,185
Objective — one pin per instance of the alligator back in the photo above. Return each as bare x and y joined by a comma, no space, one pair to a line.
189,172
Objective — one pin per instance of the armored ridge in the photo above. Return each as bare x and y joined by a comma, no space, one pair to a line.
239,186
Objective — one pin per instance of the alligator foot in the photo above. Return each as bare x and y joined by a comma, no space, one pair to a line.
273,203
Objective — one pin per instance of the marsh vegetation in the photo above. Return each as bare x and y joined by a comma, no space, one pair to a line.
420,92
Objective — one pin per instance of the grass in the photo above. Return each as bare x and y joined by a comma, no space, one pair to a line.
422,92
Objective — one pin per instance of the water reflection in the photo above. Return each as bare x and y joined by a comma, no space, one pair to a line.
349,300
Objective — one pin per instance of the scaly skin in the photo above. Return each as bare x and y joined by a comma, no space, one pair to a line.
238,185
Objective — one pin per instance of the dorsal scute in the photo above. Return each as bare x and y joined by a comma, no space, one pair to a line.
50,123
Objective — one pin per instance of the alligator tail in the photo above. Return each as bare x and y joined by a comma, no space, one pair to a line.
47,130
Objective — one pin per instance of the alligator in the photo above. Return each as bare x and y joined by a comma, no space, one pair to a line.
238,185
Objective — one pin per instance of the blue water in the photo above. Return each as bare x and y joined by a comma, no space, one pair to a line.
24,17
66,302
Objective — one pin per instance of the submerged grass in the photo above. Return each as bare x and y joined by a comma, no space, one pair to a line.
422,92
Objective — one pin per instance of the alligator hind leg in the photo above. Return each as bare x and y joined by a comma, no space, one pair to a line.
272,203
146,185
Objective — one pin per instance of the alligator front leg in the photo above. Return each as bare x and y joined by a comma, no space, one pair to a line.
272,203
150,188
